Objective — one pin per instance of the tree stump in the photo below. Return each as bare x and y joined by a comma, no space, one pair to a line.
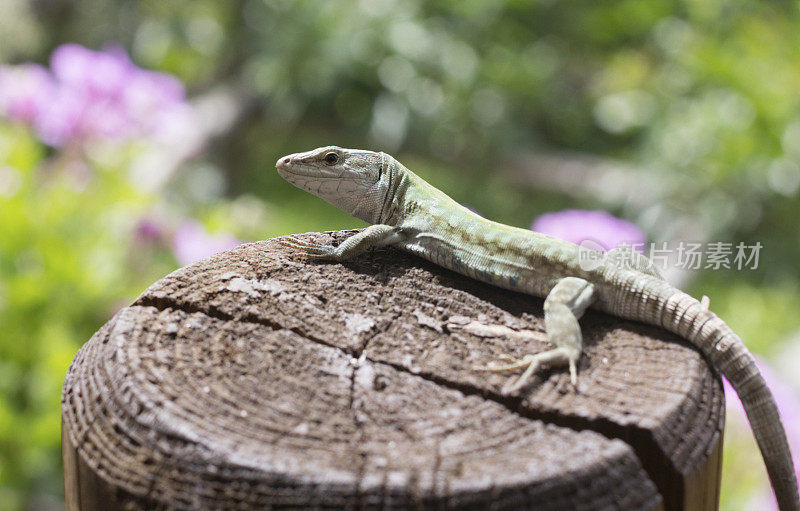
256,379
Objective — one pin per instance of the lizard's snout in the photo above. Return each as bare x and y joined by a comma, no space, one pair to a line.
283,165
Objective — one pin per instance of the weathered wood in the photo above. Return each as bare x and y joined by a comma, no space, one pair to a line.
257,380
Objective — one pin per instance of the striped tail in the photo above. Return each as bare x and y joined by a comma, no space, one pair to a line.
686,317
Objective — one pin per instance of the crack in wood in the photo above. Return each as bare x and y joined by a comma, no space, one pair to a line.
389,282
640,440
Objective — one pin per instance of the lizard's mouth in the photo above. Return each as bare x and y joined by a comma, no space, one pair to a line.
312,173
288,167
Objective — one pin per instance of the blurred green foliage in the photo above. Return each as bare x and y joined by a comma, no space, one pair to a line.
64,267
701,94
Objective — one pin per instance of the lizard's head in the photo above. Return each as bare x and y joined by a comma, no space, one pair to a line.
353,180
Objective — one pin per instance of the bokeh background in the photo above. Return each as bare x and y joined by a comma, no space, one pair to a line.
136,137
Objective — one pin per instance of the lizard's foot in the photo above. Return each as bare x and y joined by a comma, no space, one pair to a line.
308,249
555,357
512,364
377,235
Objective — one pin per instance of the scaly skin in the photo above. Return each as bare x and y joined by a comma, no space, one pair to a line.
409,213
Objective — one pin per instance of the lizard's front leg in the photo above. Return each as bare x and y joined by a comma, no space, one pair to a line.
564,305
378,235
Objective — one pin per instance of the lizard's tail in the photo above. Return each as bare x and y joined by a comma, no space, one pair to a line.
688,318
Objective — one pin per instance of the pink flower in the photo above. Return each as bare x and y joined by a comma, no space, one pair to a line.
149,231
191,242
60,118
89,95
24,91
577,225
101,75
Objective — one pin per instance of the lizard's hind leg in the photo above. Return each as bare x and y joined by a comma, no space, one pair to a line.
564,305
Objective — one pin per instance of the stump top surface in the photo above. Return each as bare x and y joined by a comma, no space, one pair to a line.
259,378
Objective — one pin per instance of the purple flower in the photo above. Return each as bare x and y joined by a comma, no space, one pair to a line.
149,231
90,95
577,225
191,242
59,119
100,75
24,91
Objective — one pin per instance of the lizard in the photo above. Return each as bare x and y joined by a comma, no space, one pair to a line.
407,212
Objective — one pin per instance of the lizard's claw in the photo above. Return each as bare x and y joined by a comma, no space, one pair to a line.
531,364
308,249
505,357
295,242
321,252
512,364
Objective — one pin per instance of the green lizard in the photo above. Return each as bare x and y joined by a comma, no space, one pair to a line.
407,212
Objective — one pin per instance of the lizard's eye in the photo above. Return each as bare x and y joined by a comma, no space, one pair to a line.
331,158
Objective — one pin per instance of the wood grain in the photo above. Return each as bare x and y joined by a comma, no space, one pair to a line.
255,379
